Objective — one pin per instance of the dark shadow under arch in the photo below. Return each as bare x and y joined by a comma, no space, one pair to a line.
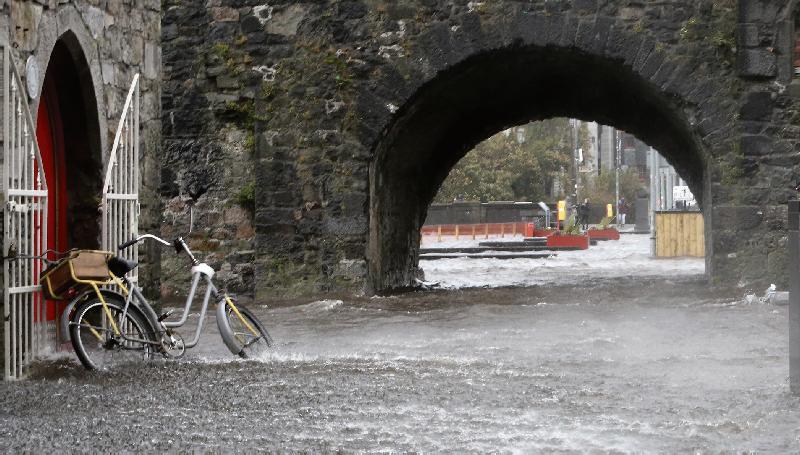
490,92
73,132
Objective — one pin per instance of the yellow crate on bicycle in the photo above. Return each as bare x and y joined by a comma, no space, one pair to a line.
78,270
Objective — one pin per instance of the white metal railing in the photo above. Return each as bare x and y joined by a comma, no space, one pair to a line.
24,190
121,184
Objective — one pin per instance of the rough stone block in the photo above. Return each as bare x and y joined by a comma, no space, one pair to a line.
224,14
227,82
757,106
735,219
760,11
585,6
757,64
285,22
351,269
569,29
152,60
756,145
747,35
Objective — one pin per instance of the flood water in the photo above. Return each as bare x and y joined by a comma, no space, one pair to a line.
624,364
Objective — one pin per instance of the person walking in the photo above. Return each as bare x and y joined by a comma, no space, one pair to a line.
622,210
583,214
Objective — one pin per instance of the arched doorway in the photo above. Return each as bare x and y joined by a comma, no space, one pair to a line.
68,134
490,92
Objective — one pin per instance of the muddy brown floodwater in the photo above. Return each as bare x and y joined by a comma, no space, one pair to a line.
615,365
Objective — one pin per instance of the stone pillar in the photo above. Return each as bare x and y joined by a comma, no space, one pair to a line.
794,297
642,220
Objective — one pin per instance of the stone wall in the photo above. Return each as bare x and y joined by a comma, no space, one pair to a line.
315,133
207,182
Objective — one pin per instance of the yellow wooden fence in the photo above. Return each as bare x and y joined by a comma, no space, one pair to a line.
680,234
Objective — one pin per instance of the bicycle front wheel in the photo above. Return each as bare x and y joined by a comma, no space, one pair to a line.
103,339
241,330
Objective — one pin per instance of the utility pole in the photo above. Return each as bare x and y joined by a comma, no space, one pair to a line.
575,156
617,159
653,201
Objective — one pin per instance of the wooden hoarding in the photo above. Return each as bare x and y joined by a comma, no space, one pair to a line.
680,234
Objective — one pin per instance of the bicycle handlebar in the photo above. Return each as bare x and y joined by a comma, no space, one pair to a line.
122,246
142,237
179,244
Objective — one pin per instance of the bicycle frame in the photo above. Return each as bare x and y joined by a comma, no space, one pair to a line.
199,271
162,327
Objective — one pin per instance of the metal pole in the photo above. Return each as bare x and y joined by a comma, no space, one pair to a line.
575,158
794,297
653,189
6,219
617,151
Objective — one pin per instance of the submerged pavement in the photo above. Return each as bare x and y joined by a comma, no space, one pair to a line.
625,258
610,364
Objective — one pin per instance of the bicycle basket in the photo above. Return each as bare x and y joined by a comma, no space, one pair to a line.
77,271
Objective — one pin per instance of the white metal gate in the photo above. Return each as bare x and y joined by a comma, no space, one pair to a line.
24,229
121,184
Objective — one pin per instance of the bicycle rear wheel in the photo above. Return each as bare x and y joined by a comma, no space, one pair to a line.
241,330
97,335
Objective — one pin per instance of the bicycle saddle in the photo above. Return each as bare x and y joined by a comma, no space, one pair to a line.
120,266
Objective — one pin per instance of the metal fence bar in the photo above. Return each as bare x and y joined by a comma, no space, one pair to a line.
121,184
4,188
24,227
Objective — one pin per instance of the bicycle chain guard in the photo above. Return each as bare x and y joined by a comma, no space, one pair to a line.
173,345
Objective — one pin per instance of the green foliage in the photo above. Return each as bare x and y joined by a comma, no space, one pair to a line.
342,74
690,29
572,227
517,164
234,60
244,112
250,142
719,30
603,187
604,223
246,197
222,50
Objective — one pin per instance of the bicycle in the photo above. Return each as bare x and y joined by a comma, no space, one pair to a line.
107,328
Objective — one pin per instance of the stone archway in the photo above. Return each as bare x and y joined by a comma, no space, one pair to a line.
69,134
489,92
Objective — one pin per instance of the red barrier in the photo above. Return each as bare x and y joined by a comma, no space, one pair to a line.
482,229
543,232
603,234
569,241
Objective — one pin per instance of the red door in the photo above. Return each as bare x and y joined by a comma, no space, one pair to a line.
50,135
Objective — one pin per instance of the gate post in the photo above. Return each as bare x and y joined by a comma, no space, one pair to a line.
794,297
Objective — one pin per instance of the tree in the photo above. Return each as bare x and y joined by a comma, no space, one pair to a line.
602,187
520,163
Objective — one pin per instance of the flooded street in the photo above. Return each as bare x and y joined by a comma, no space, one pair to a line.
611,364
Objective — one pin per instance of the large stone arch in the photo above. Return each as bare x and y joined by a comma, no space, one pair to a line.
478,81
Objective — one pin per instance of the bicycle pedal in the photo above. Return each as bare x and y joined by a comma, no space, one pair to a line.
165,315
